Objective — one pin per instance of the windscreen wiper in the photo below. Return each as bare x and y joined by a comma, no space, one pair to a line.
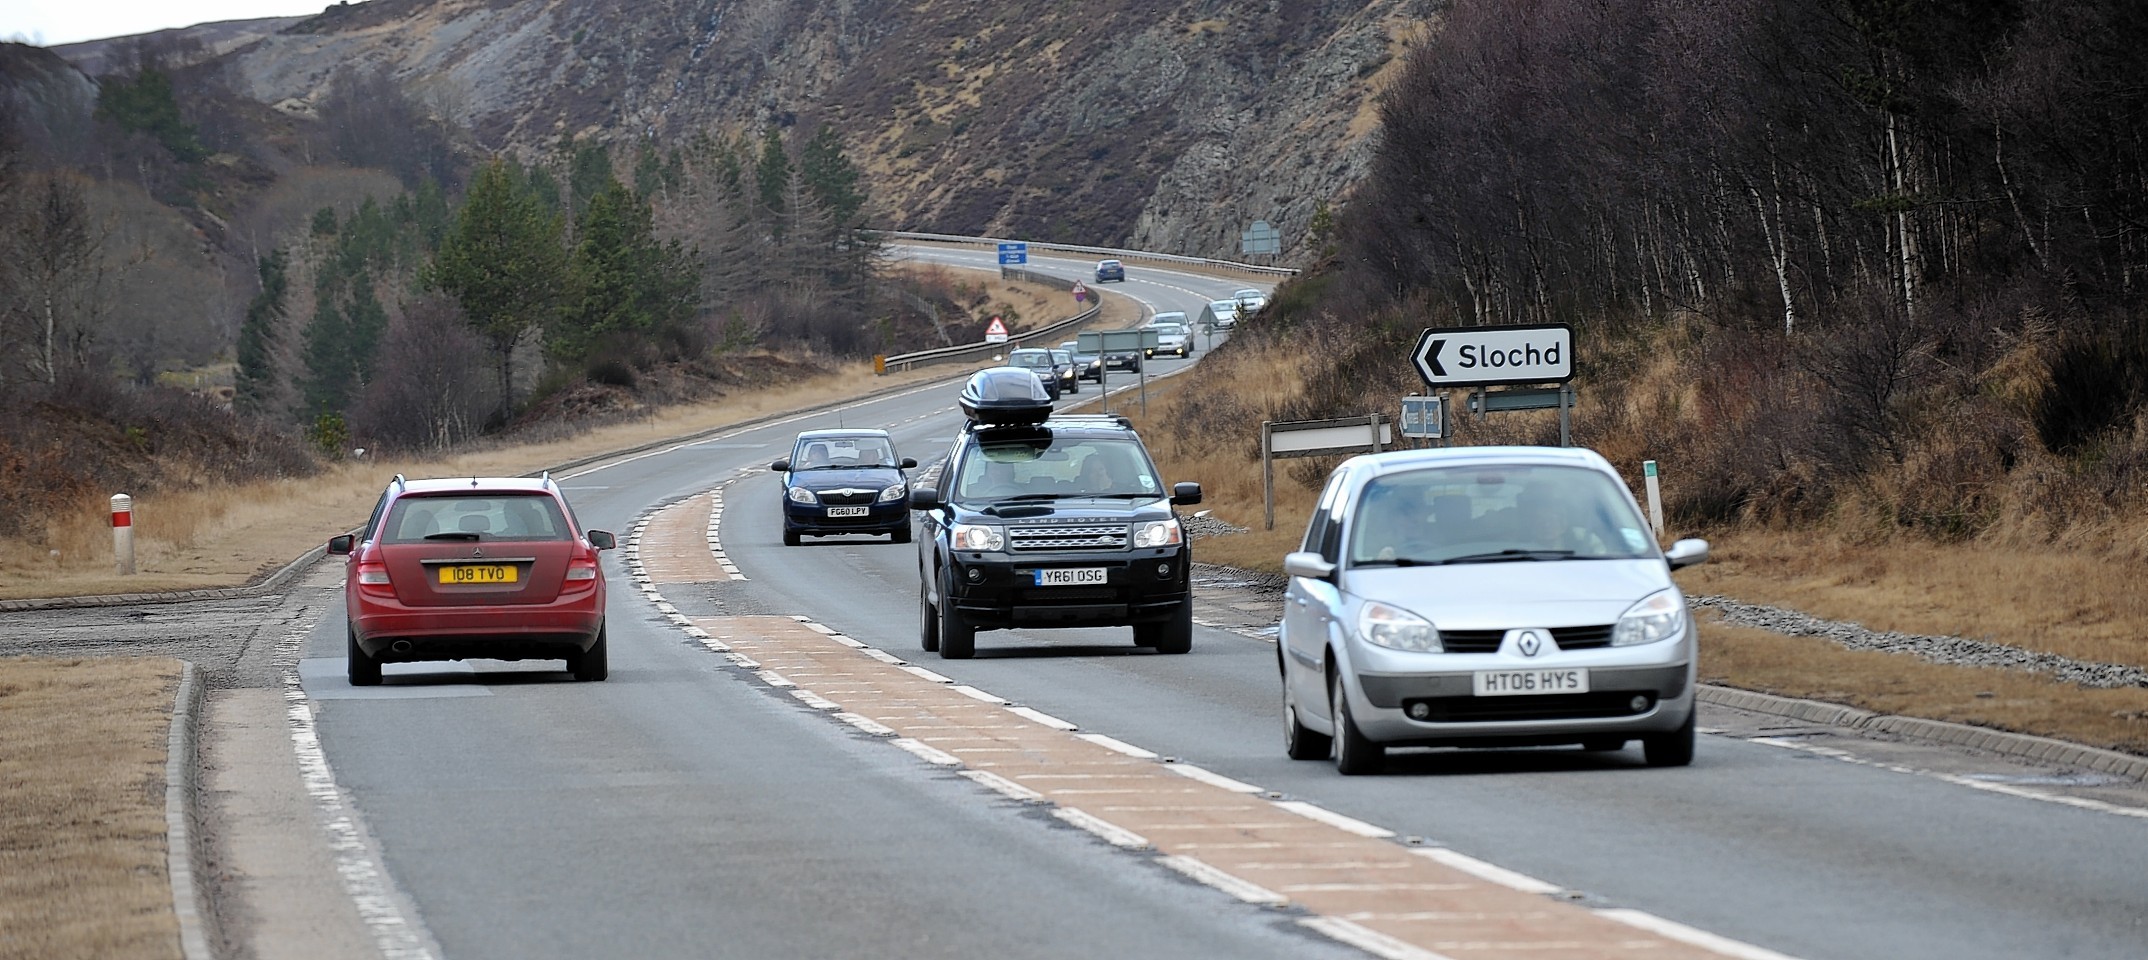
1511,555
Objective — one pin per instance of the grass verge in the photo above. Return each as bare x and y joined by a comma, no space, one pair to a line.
82,832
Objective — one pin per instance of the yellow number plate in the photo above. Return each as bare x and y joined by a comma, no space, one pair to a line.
490,573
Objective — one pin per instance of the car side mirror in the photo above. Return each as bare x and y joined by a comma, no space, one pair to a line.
924,498
1185,494
603,540
1311,566
780,466
341,546
1686,553
909,463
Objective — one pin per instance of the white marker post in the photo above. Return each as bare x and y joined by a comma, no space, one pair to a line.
1655,496
123,533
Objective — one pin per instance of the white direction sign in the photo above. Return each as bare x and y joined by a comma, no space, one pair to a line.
1490,356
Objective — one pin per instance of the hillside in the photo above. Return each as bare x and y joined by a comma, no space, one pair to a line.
1157,125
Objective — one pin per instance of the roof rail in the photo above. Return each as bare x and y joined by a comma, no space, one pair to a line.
1117,419
545,479
400,482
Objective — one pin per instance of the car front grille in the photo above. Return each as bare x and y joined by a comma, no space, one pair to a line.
1068,535
848,498
1487,641
1558,706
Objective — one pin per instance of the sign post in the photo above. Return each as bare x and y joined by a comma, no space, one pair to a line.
1505,356
1655,497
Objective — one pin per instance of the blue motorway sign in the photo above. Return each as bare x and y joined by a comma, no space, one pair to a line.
1011,254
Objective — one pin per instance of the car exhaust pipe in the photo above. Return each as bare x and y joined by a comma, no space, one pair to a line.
400,646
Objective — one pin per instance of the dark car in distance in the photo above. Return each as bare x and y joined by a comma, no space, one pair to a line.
1108,271
1087,366
847,481
1039,361
472,567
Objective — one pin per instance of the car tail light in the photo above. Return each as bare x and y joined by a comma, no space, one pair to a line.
581,571
373,577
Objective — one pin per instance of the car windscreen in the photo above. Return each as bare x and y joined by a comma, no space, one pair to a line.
1171,317
1062,356
1169,330
1057,466
1485,514
1029,358
842,453
484,517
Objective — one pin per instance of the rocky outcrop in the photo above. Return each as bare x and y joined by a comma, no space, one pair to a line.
1166,125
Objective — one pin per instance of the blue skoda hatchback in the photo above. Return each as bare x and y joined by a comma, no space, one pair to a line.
843,482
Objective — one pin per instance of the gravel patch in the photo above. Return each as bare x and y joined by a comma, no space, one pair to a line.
1960,651
1209,526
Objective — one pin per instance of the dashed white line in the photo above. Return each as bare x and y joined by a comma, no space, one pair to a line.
2006,789
1117,745
976,694
1040,716
929,754
1111,833
1331,818
1003,785
1210,777
924,674
1203,873
1371,941
1674,930
867,724
1486,871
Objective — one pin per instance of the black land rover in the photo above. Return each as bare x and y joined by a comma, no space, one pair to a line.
1049,521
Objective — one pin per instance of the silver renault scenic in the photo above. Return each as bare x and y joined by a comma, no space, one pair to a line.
1484,596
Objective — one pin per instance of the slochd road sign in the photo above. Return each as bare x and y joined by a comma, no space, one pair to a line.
1491,356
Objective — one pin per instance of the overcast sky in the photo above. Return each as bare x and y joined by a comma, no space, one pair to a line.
52,22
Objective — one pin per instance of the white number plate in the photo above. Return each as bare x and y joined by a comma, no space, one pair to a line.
1073,577
849,511
1521,683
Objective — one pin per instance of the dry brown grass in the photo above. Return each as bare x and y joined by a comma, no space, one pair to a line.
222,537
82,832
1892,683
2071,603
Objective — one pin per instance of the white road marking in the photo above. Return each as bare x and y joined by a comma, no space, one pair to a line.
1673,930
1121,746
2007,789
816,701
775,679
1005,786
1331,818
1213,779
1112,833
883,656
924,674
867,724
398,936
1043,718
927,753
1203,873
1486,871
976,694
1371,941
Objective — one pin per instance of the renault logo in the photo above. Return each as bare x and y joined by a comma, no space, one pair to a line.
1529,643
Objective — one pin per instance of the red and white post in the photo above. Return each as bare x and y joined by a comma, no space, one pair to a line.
123,533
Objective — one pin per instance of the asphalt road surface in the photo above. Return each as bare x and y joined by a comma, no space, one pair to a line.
684,809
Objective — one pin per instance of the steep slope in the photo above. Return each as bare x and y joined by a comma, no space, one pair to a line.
1111,122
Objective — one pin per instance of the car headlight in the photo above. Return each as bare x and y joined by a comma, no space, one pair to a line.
1158,533
802,495
895,491
978,536
1396,629
1659,617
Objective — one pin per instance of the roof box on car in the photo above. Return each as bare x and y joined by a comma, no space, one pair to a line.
1005,395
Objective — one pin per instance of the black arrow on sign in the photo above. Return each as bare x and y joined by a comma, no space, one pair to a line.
1432,358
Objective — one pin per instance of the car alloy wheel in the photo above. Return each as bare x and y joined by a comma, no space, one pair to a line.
1355,754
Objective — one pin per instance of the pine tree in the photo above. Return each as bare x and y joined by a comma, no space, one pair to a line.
503,262
832,177
257,335
772,176
628,285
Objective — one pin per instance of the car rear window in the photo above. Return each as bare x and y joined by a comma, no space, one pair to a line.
1487,513
494,516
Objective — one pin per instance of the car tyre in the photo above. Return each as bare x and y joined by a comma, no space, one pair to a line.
1168,636
1355,754
594,663
1299,741
1674,749
364,671
790,537
928,621
958,636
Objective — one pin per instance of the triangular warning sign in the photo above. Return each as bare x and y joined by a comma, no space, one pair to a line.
996,329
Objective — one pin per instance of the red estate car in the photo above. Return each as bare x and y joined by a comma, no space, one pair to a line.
474,567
